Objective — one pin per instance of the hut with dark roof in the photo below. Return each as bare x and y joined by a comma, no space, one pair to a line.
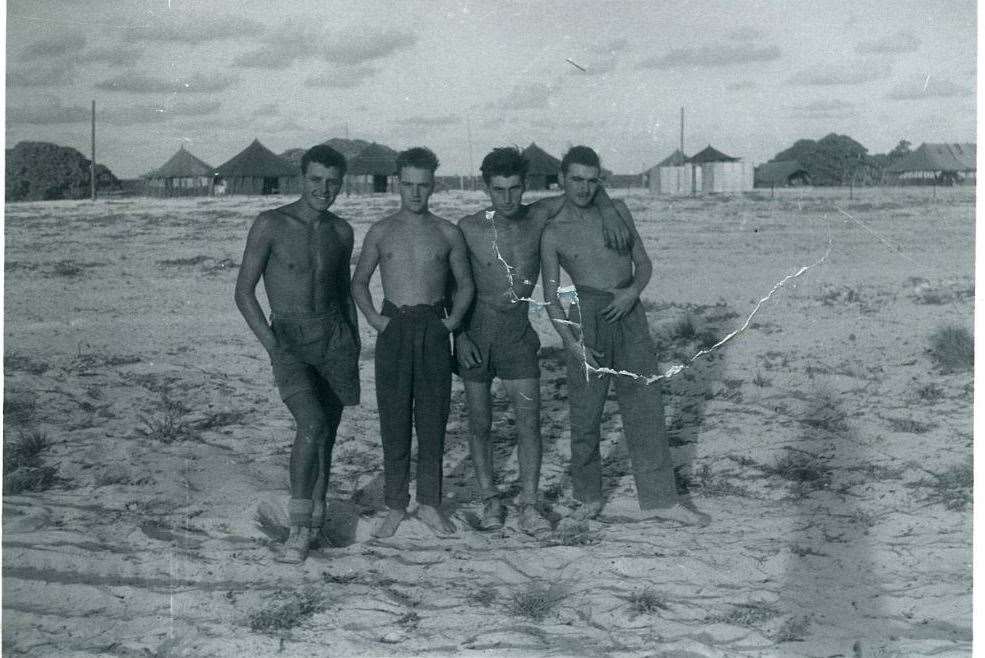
182,175
373,170
543,170
673,175
721,172
781,173
257,170
938,163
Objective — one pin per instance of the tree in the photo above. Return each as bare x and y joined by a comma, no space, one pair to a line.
833,160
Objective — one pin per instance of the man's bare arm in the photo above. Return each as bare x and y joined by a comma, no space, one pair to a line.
255,255
615,228
551,274
458,259
344,283
624,299
369,258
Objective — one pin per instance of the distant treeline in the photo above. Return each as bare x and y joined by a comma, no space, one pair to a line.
39,171
840,160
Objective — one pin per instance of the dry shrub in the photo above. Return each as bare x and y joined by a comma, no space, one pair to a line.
952,349
23,464
747,614
484,596
952,487
289,609
648,602
537,601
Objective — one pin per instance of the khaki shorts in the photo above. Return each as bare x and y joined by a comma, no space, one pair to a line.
315,351
507,343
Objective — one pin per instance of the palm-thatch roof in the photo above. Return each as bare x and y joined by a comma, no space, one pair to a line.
778,172
541,162
350,148
181,165
374,160
256,160
710,154
938,157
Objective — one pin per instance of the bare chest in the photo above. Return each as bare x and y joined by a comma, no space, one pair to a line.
308,250
413,246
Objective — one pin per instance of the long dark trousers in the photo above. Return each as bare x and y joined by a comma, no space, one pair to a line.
413,377
626,345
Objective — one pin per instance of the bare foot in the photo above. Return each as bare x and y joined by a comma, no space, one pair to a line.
388,524
686,514
492,515
532,523
434,519
587,511
295,549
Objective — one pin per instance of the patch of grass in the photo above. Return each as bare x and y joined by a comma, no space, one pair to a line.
747,614
184,262
794,629
484,596
952,487
648,602
761,381
67,268
808,471
286,611
24,451
113,474
952,349
930,393
710,484
216,419
824,413
537,601
169,426
19,409
909,426
14,362
832,295
221,265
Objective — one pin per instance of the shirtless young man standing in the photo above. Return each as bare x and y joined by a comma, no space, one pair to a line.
613,334
497,339
414,250
302,251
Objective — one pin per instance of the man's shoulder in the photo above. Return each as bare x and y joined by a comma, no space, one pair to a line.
473,221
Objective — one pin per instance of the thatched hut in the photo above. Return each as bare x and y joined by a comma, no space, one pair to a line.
722,173
257,170
182,175
543,170
674,175
938,163
373,170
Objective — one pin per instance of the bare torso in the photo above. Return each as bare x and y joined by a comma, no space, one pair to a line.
413,258
492,241
302,274
582,252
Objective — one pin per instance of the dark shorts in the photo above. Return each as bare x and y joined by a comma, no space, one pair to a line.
507,343
316,350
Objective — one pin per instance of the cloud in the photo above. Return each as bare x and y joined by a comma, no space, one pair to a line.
52,47
526,97
344,78
41,74
195,29
824,108
430,122
268,57
118,55
279,125
129,115
930,87
899,42
358,46
718,55
612,47
139,83
742,84
853,73
593,65
746,33
50,111
267,110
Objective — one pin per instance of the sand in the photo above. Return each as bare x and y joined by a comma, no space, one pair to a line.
832,455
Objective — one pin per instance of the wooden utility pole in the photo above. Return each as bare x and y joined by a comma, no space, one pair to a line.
468,128
92,163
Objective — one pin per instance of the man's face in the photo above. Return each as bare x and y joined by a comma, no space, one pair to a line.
416,186
320,185
506,193
581,182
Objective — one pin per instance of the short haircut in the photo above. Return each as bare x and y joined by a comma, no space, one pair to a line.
419,157
582,155
504,161
323,155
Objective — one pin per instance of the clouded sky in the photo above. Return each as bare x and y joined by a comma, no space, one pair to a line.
753,76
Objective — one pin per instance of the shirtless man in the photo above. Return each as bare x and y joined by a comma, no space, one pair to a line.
414,250
497,339
302,251
613,333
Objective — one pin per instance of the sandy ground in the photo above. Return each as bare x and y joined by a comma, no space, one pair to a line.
832,456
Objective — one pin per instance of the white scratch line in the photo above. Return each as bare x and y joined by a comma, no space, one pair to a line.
926,82
896,247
